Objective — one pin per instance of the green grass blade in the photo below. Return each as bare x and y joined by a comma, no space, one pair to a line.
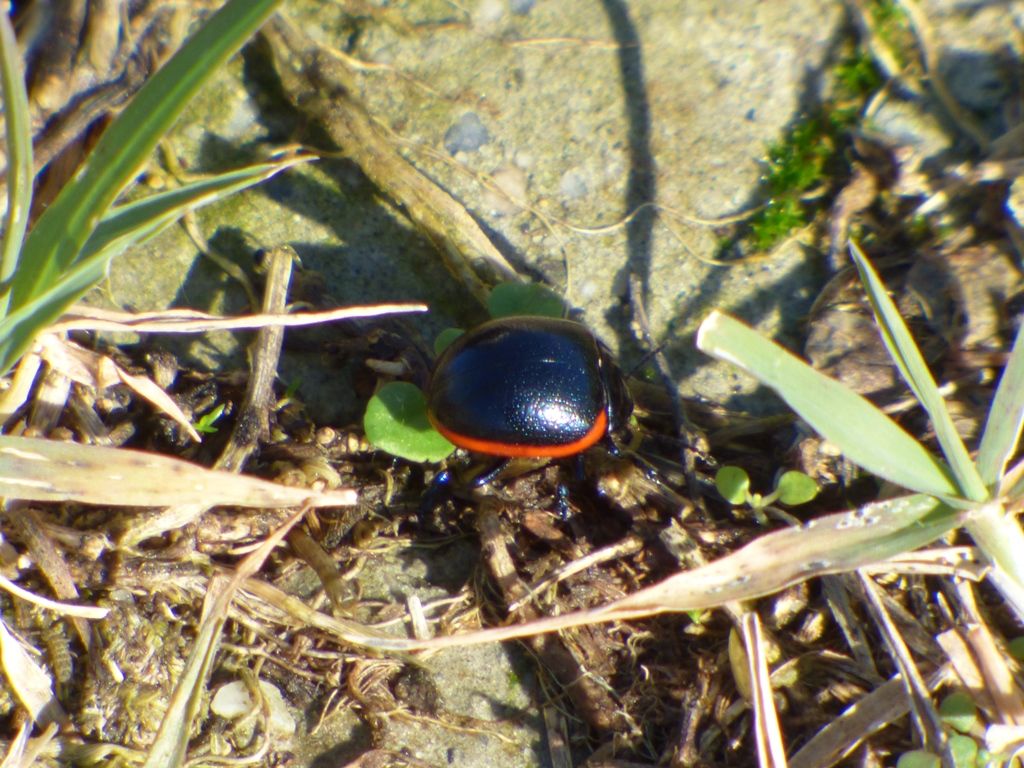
1000,538
861,431
915,371
133,223
123,227
1002,428
124,148
19,157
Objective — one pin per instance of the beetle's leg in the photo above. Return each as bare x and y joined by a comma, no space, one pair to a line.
488,474
579,468
609,444
440,488
562,502
579,476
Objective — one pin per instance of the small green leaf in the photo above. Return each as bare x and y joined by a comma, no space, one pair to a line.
796,488
508,299
733,483
959,711
204,424
445,338
396,421
291,389
964,750
918,758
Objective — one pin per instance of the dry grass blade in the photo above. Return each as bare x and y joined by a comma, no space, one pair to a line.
959,562
955,646
98,371
192,321
171,742
65,609
884,705
770,751
253,422
23,751
998,678
21,385
348,632
28,526
15,756
830,544
30,683
46,470
995,672
923,714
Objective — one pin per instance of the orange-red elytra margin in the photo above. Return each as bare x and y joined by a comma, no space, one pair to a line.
495,448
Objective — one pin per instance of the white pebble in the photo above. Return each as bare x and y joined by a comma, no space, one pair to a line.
232,701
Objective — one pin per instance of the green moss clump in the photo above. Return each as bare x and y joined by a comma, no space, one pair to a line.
810,156
795,165
857,76
893,28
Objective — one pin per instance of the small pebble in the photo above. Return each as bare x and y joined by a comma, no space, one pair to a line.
506,200
975,80
488,13
1015,201
573,184
468,134
232,700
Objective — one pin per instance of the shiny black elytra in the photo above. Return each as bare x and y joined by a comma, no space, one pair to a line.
527,387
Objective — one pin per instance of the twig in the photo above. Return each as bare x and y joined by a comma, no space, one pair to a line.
253,419
319,85
923,713
65,609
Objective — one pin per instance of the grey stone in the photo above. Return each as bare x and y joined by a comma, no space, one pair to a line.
468,134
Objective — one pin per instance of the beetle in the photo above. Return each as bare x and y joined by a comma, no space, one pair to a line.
535,387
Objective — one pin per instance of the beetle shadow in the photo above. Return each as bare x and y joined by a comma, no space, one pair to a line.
381,255
641,194
978,79
641,182
360,741
373,253
784,295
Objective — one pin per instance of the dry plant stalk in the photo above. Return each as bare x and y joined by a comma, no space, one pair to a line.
317,83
